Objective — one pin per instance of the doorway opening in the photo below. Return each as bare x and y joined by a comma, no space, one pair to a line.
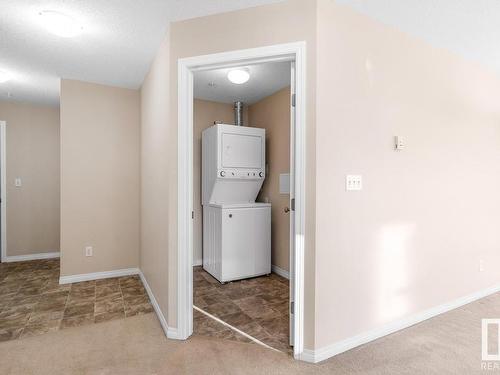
241,186
244,299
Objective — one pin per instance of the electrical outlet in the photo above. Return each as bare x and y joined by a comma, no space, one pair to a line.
353,182
89,251
481,265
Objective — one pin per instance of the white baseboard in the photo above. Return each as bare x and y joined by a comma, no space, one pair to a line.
155,304
173,334
197,262
170,332
308,355
23,258
98,275
329,351
280,271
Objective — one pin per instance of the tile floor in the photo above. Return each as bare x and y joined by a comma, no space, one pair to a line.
258,307
32,302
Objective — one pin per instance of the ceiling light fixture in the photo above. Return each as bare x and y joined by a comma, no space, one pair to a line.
60,24
4,76
238,76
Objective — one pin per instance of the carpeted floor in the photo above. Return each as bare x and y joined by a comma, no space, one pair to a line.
448,344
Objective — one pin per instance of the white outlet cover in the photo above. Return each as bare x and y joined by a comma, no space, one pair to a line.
18,182
354,182
89,251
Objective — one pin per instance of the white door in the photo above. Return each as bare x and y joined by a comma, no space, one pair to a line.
292,202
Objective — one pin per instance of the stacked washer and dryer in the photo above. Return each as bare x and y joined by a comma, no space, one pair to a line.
236,229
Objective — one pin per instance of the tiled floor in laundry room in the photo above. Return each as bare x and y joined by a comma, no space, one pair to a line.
258,306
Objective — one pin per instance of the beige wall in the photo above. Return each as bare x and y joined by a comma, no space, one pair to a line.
229,31
205,113
273,114
99,177
254,27
32,155
157,169
413,238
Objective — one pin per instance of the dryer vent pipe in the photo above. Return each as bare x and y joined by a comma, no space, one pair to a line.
238,113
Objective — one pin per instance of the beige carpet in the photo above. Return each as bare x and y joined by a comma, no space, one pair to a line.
449,344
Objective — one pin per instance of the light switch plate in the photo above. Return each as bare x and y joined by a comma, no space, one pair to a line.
399,142
354,182
18,182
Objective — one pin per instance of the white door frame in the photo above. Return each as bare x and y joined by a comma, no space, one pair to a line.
186,66
3,192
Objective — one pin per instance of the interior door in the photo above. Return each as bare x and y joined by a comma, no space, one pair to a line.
292,203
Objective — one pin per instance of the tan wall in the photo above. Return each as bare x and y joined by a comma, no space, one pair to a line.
99,177
413,238
273,114
157,169
205,113
254,27
32,155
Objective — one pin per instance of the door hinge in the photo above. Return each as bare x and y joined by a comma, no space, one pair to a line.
292,307
293,100
192,214
292,204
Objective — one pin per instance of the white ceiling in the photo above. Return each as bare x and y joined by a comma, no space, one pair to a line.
121,36
470,28
265,79
120,40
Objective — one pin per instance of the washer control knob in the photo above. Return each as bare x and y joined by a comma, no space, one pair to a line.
222,173
261,174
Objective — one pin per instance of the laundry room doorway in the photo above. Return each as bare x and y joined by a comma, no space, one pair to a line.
242,196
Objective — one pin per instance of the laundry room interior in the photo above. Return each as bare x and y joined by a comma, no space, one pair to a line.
242,214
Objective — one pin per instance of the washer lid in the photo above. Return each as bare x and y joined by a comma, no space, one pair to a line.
240,205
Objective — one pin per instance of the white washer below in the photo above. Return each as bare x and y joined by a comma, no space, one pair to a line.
237,240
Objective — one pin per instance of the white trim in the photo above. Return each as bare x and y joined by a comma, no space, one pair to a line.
23,258
280,271
155,304
98,275
186,66
173,334
198,262
3,192
185,202
329,351
235,329
170,332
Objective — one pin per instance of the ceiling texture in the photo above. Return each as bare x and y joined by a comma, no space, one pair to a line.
119,40
265,79
120,37
470,28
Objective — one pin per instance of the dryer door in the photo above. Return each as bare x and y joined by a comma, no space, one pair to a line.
242,151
